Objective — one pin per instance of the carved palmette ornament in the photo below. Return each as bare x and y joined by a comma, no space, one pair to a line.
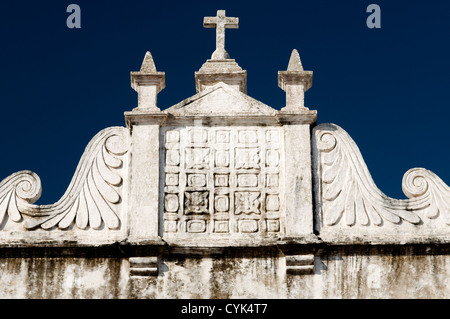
91,199
349,195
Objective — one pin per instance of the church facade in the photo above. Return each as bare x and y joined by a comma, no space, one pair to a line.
223,196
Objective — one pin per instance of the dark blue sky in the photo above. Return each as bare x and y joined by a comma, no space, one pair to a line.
388,88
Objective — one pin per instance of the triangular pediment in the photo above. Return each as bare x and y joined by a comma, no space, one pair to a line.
221,99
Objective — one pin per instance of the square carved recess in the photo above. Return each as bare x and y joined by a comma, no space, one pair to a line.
222,180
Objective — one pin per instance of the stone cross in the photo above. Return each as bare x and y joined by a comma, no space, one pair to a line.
220,22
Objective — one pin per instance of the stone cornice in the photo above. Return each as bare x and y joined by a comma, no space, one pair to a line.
143,116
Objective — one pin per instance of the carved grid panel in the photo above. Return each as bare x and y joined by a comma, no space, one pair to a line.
222,180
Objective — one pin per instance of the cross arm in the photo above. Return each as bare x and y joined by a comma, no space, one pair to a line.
232,23
209,22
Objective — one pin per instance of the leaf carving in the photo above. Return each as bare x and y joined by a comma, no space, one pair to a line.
350,196
91,199
423,185
21,187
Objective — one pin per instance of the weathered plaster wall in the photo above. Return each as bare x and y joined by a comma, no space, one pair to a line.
375,273
55,278
342,272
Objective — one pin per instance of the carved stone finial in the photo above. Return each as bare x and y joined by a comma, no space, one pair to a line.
295,82
148,83
148,65
295,64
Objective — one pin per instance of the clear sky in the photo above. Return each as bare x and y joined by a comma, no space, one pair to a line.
388,87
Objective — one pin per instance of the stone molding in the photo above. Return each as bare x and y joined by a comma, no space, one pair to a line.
143,266
216,71
300,264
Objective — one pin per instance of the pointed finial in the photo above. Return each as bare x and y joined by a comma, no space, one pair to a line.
295,64
295,82
148,65
148,83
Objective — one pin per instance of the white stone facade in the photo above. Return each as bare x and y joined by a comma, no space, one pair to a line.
228,196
